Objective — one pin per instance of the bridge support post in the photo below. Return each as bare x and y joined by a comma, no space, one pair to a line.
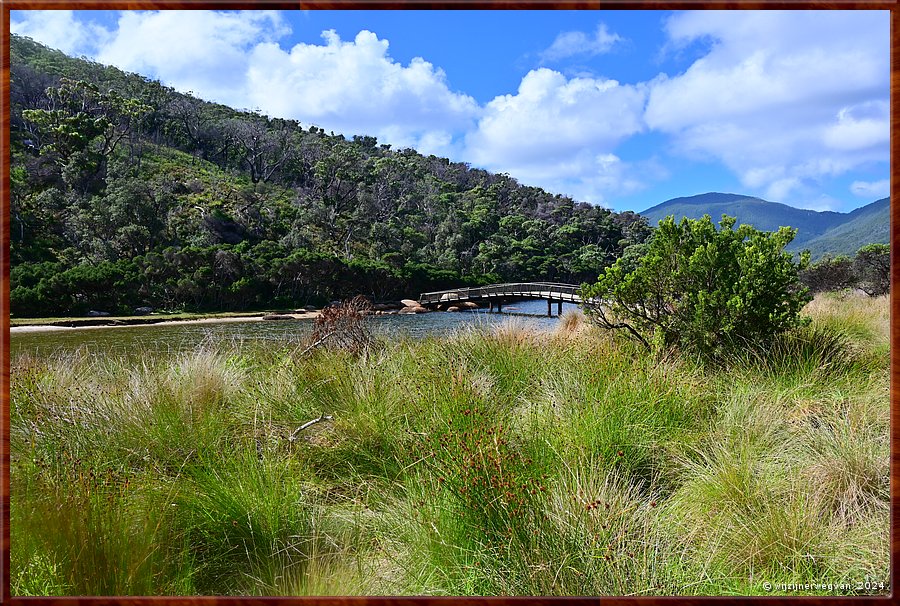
549,307
559,307
490,305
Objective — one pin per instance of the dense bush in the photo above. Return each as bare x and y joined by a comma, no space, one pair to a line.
702,289
873,269
829,274
214,278
869,271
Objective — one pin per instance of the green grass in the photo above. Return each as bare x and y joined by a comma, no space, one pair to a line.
504,462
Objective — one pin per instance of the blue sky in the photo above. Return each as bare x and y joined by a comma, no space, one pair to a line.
621,108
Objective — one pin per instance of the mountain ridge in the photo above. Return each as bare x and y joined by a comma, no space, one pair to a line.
822,232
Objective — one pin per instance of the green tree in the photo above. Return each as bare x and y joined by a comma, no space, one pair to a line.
703,290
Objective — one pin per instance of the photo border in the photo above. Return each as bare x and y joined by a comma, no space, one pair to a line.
9,5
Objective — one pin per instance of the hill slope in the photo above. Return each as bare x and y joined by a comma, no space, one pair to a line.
127,193
866,225
822,232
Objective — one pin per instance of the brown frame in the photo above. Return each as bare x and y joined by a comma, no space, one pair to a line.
7,5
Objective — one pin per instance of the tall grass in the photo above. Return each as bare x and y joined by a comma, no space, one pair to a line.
496,461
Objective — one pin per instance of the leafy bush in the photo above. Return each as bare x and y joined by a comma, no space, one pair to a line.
873,269
702,290
829,274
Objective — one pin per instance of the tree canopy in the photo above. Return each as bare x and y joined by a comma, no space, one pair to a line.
248,210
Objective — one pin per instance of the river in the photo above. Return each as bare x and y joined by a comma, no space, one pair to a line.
170,338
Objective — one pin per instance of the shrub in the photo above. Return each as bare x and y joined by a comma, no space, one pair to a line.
872,266
702,290
829,274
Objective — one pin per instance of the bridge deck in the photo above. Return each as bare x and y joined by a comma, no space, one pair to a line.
526,290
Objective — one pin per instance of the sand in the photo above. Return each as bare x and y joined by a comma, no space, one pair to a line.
46,327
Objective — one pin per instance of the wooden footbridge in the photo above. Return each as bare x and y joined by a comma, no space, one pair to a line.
498,294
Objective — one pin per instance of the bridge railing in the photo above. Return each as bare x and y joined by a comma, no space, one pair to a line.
499,290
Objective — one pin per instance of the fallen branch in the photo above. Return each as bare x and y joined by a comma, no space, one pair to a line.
313,346
293,435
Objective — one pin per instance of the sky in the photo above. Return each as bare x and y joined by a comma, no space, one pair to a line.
625,109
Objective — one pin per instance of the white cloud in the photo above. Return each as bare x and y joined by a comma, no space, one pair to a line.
557,129
59,29
782,98
356,87
871,189
206,52
570,44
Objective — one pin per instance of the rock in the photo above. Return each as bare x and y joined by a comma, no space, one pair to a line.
97,314
309,308
469,305
453,308
410,303
418,310
142,311
278,317
381,307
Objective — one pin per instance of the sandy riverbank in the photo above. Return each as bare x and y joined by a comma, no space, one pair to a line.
311,315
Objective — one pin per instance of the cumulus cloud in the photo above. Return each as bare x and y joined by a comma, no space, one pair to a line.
207,52
357,87
782,98
556,128
871,189
59,29
571,44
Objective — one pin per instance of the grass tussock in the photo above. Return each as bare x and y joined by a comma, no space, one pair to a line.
500,461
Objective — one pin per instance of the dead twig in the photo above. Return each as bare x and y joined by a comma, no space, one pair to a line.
294,434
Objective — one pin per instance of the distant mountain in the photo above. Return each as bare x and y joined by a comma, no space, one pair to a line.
866,225
822,232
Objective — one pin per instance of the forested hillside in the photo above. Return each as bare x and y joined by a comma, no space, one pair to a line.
125,193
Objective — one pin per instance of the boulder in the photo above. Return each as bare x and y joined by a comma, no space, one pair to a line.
410,303
142,311
97,314
309,308
278,317
453,308
469,305
388,306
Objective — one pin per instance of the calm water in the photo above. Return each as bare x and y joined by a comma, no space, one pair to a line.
179,337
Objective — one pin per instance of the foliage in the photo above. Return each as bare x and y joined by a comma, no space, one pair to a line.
873,268
829,274
203,207
701,289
